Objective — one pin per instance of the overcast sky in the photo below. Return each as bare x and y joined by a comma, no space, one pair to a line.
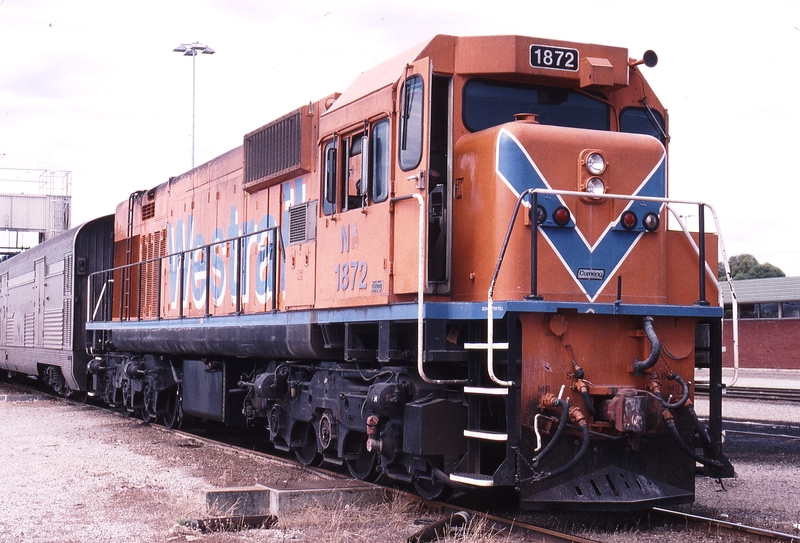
93,87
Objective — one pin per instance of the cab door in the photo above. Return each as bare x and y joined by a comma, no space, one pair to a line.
424,167
409,232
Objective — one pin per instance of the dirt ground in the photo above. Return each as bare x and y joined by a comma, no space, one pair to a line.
73,473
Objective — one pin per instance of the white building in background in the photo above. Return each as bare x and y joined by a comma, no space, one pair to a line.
35,205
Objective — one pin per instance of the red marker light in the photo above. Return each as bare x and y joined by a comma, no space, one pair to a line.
629,220
561,216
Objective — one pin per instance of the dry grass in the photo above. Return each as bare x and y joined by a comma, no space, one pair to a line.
392,520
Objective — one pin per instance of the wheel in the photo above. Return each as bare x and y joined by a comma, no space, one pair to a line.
80,397
148,412
432,489
147,416
361,463
173,418
306,453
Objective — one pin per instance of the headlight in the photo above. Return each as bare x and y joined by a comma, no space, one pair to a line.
595,163
595,185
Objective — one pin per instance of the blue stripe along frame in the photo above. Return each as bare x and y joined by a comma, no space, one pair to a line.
519,172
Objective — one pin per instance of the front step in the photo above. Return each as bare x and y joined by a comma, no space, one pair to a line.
486,436
488,391
472,479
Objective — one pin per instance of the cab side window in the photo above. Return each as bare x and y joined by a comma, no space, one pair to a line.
329,178
411,108
356,175
356,169
379,161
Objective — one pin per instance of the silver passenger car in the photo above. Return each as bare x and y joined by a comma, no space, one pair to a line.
43,305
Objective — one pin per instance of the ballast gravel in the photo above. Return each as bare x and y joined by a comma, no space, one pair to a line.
73,473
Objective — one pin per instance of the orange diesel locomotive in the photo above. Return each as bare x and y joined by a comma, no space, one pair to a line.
457,273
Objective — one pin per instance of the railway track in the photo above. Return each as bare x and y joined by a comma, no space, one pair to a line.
736,532
201,436
491,523
755,393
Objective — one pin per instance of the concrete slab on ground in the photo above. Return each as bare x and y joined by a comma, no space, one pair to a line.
285,498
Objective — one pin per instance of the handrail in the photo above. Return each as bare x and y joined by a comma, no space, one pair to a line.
728,278
180,255
421,295
99,299
704,268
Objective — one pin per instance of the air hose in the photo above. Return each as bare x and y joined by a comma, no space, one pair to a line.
562,423
640,366
576,417
684,447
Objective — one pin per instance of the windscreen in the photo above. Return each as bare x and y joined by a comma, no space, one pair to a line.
491,103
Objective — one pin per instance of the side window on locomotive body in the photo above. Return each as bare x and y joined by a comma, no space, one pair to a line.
637,120
379,161
364,170
411,109
355,175
329,178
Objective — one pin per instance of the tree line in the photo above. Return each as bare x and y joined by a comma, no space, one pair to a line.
747,267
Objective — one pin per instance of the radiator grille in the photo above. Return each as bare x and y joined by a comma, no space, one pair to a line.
274,148
275,152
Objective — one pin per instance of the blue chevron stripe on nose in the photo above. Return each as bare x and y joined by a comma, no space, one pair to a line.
591,267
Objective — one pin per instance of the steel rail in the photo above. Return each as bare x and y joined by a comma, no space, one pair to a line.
749,533
756,393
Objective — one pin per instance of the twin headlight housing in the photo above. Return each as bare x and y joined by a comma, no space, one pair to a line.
592,166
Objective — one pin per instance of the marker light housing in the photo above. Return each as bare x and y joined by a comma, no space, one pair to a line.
651,222
629,220
561,216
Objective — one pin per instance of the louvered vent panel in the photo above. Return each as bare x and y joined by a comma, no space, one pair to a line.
10,329
53,328
67,339
68,275
29,330
153,247
297,224
303,222
148,210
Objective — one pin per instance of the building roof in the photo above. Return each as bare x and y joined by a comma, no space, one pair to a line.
771,289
